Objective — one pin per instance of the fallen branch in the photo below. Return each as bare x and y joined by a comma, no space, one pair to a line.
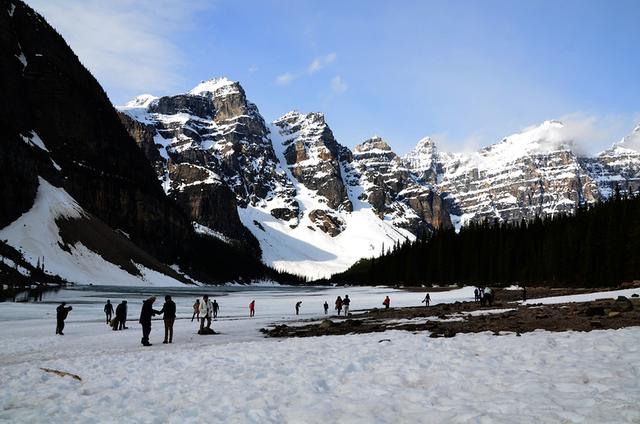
61,373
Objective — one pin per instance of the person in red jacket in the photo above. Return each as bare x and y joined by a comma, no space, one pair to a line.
386,302
252,308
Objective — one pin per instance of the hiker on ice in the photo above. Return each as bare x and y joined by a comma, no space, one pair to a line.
346,302
215,308
108,310
169,317
298,304
426,300
196,310
339,305
146,313
61,314
252,308
326,307
476,295
206,312
386,302
120,320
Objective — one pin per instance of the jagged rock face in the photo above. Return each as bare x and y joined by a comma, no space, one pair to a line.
327,221
533,173
212,138
313,156
619,165
394,191
48,95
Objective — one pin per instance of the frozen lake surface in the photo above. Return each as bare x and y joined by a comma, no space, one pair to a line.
240,376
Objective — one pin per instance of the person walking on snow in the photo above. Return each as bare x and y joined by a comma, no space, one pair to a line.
426,300
121,316
169,317
252,308
108,310
345,303
298,307
339,305
206,311
62,312
326,307
196,310
215,308
146,313
386,302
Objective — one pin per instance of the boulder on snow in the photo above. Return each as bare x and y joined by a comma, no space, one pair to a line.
326,323
622,304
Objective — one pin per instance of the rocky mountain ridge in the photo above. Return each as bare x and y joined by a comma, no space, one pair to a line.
293,182
532,173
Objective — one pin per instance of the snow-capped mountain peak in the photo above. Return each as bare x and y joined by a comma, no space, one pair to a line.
372,145
219,86
141,101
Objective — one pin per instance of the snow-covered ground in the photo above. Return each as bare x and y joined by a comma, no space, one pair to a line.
239,376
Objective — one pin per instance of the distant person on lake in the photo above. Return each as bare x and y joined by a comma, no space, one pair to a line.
62,311
476,294
169,317
524,294
298,304
339,305
345,303
146,313
215,308
196,310
121,317
426,300
326,307
206,311
252,308
108,310
386,302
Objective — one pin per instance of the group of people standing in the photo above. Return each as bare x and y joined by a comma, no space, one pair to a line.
119,322
484,295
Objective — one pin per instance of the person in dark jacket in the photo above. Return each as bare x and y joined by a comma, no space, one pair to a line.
61,314
108,310
215,308
426,300
121,316
146,313
298,304
345,304
169,317
326,307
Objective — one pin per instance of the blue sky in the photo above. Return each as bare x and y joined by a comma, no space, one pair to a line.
466,72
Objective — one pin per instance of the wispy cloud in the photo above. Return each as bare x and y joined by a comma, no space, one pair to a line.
316,65
126,45
253,68
338,85
285,79
320,62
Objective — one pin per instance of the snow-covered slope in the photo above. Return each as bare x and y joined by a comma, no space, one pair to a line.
44,236
305,198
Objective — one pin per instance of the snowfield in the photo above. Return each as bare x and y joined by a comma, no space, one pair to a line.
239,376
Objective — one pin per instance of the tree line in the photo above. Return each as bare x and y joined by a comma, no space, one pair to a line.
598,245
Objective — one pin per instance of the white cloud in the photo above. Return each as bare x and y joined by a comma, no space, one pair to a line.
285,79
593,133
338,85
126,44
253,68
320,62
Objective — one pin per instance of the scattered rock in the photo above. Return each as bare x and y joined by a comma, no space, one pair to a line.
326,323
592,311
635,295
613,314
384,340
206,331
622,304
596,324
